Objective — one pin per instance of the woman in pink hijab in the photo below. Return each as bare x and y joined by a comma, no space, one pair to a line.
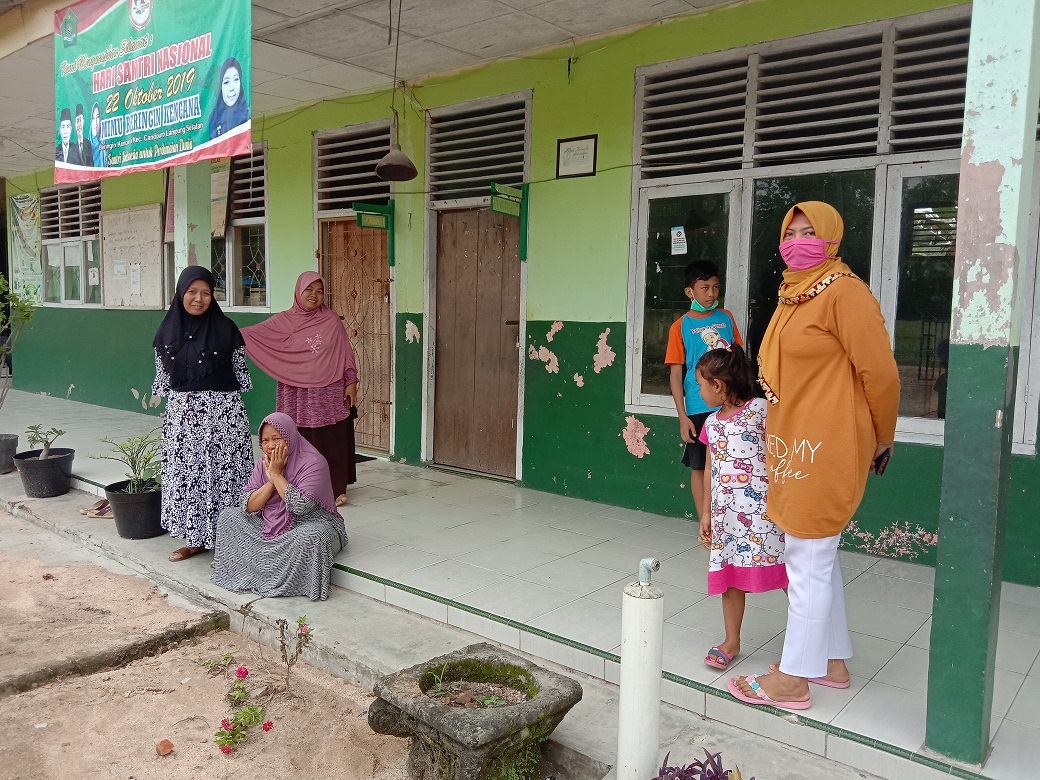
281,539
306,349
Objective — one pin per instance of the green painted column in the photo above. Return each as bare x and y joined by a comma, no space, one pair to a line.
995,185
191,215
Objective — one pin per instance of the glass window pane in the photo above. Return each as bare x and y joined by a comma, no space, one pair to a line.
218,264
53,255
850,192
73,267
705,220
927,240
93,272
249,273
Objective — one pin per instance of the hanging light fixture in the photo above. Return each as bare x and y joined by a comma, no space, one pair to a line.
395,165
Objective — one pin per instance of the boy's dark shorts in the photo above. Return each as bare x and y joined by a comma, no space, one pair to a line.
696,453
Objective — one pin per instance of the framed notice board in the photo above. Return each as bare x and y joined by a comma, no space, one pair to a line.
131,257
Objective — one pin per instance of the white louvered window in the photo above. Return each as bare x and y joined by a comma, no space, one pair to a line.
70,226
239,258
344,171
888,87
476,144
868,118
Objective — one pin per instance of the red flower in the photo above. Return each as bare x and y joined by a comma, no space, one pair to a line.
227,725
241,673
268,725
225,749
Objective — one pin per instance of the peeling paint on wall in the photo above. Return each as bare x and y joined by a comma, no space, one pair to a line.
604,354
556,328
579,380
411,332
547,356
634,434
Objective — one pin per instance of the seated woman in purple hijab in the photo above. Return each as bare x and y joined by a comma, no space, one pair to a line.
281,540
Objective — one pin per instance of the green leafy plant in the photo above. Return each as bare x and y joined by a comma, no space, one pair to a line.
216,665
438,688
234,729
491,701
44,439
300,639
15,312
142,455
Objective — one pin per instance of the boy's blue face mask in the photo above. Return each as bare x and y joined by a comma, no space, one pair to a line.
695,306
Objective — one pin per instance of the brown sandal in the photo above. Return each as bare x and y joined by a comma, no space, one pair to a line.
183,553
98,506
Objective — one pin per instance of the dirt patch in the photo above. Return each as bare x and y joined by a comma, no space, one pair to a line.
107,725
60,612
475,695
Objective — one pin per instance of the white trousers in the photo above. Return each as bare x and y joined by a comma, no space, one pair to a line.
817,627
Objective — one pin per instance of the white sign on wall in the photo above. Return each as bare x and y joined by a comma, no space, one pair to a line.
131,257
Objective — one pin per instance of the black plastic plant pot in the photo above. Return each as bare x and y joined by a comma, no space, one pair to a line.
45,478
136,514
8,447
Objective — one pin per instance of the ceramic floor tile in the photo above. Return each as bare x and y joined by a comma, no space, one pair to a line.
636,516
883,620
1006,686
370,495
577,577
1023,618
498,503
1013,753
391,561
675,599
1017,652
405,504
450,578
543,514
599,526
759,625
501,529
359,542
576,506
908,670
556,541
589,622
403,530
923,636
656,538
1020,594
1024,709
871,653
890,590
517,599
884,712
442,514
904,570
449,542
360,516
411,484
856,561
684,651
614,555
510,557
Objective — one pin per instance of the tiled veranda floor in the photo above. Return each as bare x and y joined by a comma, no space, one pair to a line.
558,565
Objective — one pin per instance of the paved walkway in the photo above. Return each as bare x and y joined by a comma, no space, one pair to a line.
543,573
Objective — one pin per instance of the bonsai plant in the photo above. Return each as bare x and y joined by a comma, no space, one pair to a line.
15,311
137,500
46,471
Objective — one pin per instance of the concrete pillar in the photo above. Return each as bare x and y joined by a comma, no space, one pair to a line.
995,186
191,215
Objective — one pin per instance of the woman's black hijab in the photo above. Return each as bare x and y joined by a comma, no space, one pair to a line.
197,350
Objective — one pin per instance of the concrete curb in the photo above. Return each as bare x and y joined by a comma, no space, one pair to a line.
116,657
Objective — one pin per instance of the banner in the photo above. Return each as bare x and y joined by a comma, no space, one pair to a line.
147,84
26,267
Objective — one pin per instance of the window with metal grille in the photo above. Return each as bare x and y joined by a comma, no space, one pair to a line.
239,259
70,226
70,212
476,144
886,87
345,167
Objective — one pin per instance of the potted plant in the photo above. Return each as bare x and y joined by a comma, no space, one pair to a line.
46,471
137,500
15,311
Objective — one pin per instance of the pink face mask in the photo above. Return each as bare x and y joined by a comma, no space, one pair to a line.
801,254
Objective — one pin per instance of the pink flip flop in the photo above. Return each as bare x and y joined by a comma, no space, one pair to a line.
775,667
717,659
761,697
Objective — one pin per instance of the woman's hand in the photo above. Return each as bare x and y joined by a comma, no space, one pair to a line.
877,453
350,395
274,463
706,530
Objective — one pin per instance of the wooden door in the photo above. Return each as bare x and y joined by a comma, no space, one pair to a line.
355,261
477,343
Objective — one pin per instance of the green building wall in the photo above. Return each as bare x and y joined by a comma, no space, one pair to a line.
577,275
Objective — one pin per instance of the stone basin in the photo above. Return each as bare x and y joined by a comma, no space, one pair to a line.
453,743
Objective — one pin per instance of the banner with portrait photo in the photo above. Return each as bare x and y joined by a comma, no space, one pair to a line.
26,265
147,84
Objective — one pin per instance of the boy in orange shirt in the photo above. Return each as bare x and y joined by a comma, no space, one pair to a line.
703,328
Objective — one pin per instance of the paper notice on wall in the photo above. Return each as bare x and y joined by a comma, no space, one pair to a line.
678,241
120,269
93,277
135,278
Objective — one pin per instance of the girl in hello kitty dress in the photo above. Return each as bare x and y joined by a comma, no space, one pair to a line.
746,547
